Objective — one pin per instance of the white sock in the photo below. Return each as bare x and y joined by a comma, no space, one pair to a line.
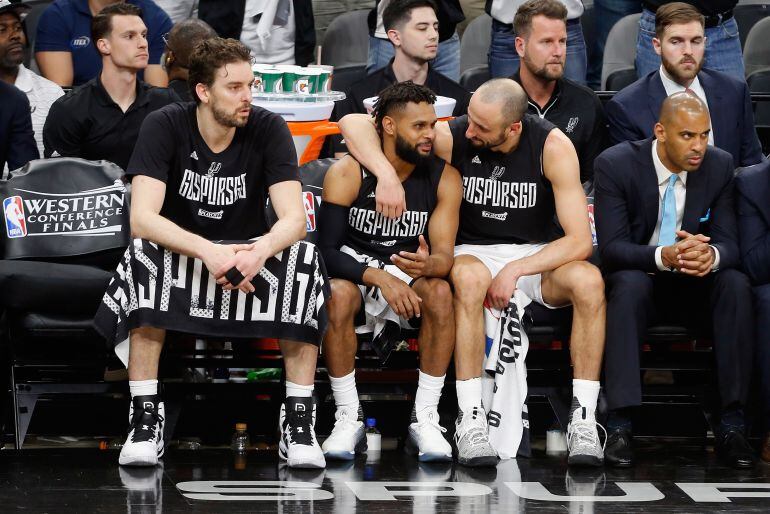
143,387
586,392
345,392
428,392
301,391
468,393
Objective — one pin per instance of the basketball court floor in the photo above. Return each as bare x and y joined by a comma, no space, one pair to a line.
669,477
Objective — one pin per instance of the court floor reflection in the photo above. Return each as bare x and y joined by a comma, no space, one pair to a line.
669,478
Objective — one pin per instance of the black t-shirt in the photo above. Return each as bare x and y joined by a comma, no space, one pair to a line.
371,233
217,196
87,123
372,84
506,197
181,88
578,112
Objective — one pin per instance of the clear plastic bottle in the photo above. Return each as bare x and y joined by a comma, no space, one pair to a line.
240,441
373,437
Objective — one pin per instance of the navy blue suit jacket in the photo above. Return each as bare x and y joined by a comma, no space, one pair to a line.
17,140
753,205
633,112
627,203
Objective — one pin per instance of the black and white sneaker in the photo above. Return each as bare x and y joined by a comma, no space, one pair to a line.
298,445
144,445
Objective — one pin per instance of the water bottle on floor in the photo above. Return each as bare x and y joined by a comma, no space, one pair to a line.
240,440
373,440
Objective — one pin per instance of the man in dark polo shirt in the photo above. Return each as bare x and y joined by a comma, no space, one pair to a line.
412,27
101,118
541,35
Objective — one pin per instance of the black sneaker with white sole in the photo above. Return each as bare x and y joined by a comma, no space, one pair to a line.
298,445
144,445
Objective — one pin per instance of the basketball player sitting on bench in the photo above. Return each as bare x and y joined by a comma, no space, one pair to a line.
391,272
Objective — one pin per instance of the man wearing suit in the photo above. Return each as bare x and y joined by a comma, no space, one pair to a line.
753,204
681,44
17,141
668,243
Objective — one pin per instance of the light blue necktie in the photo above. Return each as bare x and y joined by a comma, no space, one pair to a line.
667,236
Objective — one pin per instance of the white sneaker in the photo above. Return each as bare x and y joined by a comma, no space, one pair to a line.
585,448
348,436
298,445
144,444
426,439
472,439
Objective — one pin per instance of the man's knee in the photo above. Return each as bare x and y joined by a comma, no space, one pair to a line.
586,285
470,281
762,300
344,302
732,281
436,297
629,285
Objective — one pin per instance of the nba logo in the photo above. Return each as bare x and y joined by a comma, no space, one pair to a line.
15,221
308,199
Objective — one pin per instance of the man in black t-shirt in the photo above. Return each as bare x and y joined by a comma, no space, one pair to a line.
202,173
101,118
385,270
520,174
412,27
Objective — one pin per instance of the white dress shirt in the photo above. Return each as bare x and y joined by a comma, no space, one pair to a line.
680,193
672,87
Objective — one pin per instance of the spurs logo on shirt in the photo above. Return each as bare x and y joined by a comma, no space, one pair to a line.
211,189
492,192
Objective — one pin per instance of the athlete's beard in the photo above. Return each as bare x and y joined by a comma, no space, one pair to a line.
483,145
227,119
409,153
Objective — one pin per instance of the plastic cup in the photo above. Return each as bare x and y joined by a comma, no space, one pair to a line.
298,81
272,81
325,79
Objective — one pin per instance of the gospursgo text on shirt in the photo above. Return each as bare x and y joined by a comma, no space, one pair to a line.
491,192
212,190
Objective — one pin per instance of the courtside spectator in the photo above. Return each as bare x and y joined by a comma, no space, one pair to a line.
723,44
276,31
680,42
447,59
180,43
179,10
412,27
540,26
65,49
40,91
503,58
17,144
668,241
101,119
753,204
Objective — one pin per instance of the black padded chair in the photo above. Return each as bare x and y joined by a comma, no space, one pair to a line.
472,78
746,16
52,284
618,80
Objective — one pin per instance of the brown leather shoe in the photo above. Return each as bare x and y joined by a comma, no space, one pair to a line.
765,451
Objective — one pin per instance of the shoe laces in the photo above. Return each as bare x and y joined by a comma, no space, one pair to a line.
430,420
144,423
300,427
583,432
475,427
343,417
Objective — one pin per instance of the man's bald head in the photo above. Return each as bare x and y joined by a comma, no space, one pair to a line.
506,93
682,132
681,103
185,36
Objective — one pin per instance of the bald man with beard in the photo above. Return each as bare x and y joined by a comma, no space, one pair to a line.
667,236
